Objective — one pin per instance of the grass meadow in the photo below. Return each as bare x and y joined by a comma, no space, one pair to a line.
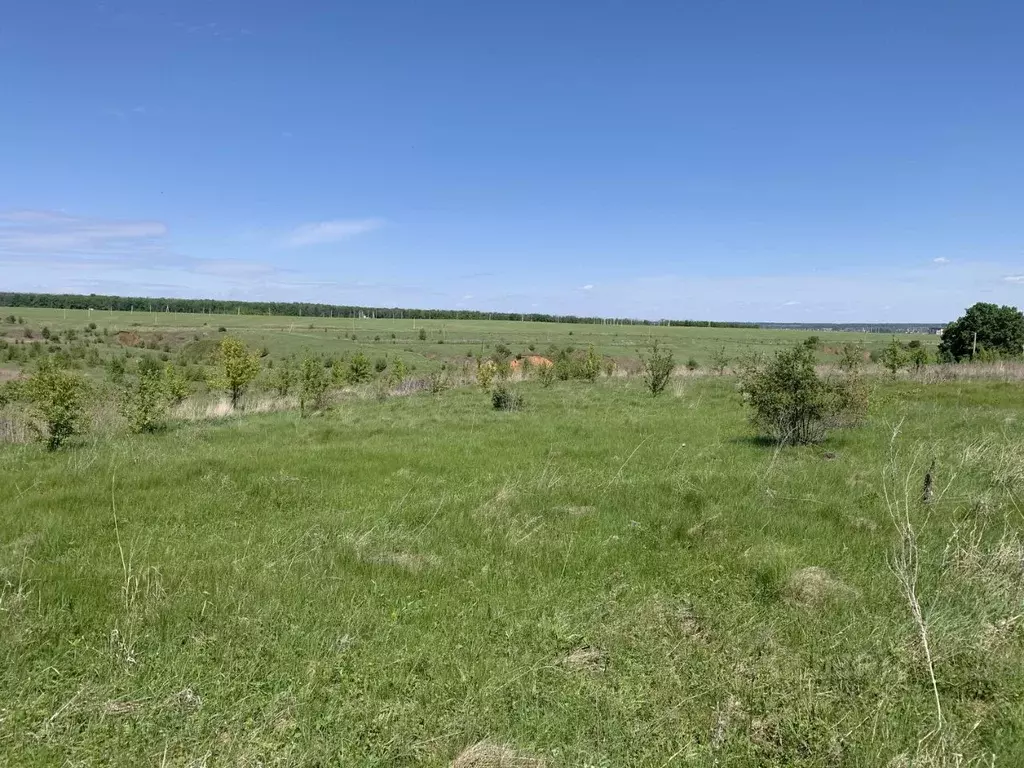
601,579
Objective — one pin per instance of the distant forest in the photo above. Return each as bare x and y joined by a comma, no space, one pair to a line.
306,309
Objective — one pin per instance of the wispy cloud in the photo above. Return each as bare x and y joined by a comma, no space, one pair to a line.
1014,279
587,287
322,232
940,260
791,303
31,232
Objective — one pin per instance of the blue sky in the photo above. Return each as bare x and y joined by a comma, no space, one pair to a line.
797,161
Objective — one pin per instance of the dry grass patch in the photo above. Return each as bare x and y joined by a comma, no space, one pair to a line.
586,659
814,586
486,754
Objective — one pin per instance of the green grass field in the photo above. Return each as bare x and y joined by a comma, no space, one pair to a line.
445,341
602,579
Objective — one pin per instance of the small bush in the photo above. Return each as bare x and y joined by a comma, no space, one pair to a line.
313,385
58,398
792,405
176,384
658,368
440,381
222,329
239,367
894,356
423,334
380,364
486,370
144,403
505,399
692,364
720,361
359,369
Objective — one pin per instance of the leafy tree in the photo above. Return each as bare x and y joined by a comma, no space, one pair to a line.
658,367
996,329
590,366
284,377
851,357
398,371
239,367
58,398
812,342
176,384
791,404
359,369
423,334
917,355
894,356
313,385
720,360
144,403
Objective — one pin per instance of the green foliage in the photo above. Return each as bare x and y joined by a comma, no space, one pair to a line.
284,377
144,403
398,372
12,392
589,366
792,405
505,399
546,375
692,364
359,369
851,358
176,384
486,370
998,329
812,342
658,367
720,360
313,385
238,368
116,369
58,399
380,364
423,334
894,356
917,355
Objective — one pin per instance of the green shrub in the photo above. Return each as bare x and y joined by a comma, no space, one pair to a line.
359,369
423,334
58,399
284,377
720,360
692,364
313,385
238,368
144,403
116,370
851,357
380,364
176,384
505,399
894,356
658,367
589,367
792,405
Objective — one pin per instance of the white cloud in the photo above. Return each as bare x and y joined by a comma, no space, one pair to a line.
791,303
28,232
467,297
1014,278
941,260
321,232
587,287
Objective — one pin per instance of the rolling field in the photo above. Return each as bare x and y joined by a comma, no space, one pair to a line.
601,579
445,340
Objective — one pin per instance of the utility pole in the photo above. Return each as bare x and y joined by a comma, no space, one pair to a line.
974,346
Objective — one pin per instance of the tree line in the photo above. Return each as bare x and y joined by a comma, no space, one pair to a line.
308,309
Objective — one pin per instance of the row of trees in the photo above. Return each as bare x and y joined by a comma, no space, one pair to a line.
308,309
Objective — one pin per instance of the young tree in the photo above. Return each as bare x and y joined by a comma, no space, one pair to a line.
984,327
359,369
658,368
58,398
284,377
239,367
590,366
313,385
791,404
144,402
851,358
917,355
894,356
176,384
720,360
